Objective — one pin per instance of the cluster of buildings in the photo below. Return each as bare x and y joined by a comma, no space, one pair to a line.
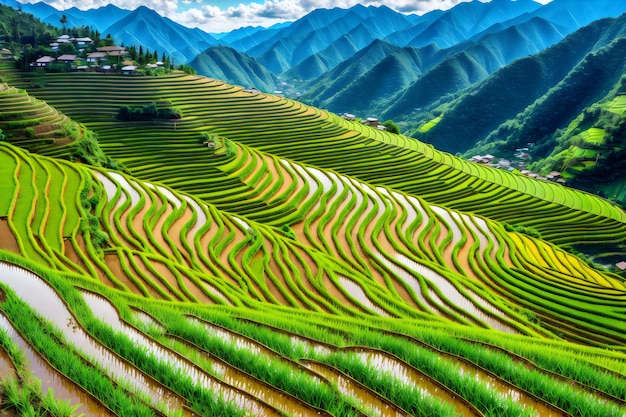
103,59
492,161
370,121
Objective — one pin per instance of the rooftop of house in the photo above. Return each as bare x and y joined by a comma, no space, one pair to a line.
45,59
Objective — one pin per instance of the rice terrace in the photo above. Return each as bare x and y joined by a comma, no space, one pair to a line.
239,253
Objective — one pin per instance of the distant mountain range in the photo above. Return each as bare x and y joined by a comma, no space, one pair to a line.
494,75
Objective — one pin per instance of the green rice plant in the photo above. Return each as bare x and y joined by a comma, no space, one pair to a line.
46,340
276,372
58,408
560,394
407,397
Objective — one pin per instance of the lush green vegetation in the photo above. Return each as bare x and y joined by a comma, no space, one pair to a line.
220,277
149,112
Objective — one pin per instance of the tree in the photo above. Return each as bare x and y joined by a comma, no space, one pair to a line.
15,27
63,21
132,52
108,41
67,48
391,126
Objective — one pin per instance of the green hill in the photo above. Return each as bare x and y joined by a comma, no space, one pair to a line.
227,64
270,258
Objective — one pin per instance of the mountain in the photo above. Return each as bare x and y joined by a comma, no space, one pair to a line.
228,64
144,26
435,73
323,61
100,18
319,29
591,150
245,38
468,19
542,77
334,81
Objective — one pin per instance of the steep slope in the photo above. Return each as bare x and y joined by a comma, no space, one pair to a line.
145,27
228,64
435,73
33,125
466,20
393,73
99,18
321,28
329,84
588,82
322,62
590,152
508,91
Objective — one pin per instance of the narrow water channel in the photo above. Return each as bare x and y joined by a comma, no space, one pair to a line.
63,388
386,363
45,301
107,313
368,400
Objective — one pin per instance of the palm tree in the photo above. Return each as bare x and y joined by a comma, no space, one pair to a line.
63,22
15,26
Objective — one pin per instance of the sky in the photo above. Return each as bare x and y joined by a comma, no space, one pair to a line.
215,16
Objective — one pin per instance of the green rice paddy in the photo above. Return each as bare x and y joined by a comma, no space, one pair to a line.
251,278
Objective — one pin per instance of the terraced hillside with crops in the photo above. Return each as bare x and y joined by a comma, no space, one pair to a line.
268,258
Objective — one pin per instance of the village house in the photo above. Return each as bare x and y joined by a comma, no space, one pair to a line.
83,42
370,121
43,61
484,159
129,70
96,57
113,51
67,58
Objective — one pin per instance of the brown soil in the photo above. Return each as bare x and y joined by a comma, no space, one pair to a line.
196,291
146,276
7,239
274,288
166,275
112,260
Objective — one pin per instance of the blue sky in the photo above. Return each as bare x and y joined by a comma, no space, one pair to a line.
225,15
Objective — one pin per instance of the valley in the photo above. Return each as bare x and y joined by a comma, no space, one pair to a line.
174,244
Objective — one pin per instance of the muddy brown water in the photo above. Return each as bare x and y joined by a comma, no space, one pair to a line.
105,311
62,387
7,369
370,402
386,363
510,392
257,388
46,302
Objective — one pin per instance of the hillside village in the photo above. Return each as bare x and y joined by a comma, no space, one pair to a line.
83,54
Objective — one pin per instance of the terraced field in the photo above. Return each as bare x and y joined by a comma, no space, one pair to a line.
308,266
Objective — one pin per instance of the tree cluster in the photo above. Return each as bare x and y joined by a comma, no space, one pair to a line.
149,112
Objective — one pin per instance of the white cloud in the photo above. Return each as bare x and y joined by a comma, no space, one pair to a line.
215,19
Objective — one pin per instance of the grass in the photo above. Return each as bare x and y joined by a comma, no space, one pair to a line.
314,226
